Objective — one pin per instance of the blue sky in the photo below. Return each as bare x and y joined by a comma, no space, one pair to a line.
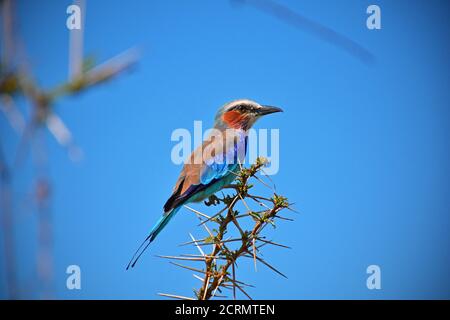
364,149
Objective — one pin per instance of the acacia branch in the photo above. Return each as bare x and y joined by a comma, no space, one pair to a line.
219,269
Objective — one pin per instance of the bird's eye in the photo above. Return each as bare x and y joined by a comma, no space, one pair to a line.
244,108
239,107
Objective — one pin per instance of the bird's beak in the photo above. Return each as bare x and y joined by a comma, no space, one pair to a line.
264,110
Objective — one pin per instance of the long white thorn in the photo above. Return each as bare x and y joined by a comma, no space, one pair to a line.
196,244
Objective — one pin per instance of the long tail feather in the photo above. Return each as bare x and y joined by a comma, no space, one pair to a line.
157,228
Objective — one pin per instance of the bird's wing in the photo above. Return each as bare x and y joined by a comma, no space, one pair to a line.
208,164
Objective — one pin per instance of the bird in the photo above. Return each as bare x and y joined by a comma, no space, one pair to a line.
213,164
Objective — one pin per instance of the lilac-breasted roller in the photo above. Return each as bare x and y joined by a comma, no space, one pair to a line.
212,165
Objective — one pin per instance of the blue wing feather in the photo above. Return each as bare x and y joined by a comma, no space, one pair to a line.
214,174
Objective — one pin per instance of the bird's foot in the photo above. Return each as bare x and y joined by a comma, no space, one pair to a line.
213,200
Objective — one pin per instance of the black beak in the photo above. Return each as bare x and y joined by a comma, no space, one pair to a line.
268,110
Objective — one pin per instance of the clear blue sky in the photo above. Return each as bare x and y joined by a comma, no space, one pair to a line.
364,149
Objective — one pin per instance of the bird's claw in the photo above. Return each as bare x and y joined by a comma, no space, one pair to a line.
212,200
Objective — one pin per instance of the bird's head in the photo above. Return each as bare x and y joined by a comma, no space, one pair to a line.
242,114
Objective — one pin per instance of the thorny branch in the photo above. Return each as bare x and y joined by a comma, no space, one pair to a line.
219,270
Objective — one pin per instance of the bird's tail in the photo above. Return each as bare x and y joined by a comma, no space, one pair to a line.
157,228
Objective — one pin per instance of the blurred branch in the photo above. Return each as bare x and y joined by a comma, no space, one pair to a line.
315,28
219,270
17,81
45,237
96,75
7,226
76,45
8,35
